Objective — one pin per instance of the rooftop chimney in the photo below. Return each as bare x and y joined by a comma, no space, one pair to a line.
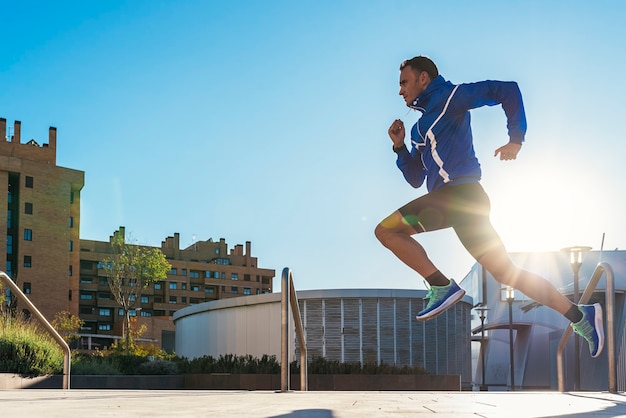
17,128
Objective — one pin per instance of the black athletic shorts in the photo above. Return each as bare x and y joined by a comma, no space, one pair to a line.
463,207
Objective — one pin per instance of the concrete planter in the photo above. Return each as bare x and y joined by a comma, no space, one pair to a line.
319,382
14,381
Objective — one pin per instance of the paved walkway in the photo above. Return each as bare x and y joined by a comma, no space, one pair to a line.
155,403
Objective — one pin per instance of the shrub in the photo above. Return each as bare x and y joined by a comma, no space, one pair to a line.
321,365
94,364
158,367
27,349
229,363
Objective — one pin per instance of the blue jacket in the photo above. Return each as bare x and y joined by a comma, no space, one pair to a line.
442,149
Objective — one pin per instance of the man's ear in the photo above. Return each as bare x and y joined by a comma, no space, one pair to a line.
423,78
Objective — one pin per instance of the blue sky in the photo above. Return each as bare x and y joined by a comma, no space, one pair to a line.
266,121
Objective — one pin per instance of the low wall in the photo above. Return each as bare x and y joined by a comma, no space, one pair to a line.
317,382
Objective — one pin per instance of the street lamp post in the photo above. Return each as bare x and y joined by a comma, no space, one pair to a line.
576,260
483,314
510,297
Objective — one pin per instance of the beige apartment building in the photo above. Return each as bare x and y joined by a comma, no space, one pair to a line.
203,272
60,272
42,219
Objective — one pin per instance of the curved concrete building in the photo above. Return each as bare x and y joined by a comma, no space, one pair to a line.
347,325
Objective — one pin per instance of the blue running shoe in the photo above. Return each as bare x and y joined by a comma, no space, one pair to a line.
591,328
440,298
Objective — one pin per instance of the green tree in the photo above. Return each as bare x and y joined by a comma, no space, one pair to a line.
67,325
130,269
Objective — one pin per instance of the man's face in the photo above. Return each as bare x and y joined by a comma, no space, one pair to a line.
412,83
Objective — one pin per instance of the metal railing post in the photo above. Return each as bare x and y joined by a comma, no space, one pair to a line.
284,333
66,349
605,268
290,299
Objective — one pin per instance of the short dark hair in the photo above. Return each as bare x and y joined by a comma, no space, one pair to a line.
421,63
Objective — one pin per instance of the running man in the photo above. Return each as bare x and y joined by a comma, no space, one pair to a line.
442,155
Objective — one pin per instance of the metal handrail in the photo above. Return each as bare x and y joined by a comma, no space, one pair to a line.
66,349
289,297
605,268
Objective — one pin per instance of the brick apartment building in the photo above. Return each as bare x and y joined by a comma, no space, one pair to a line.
202,272
42,219
60,272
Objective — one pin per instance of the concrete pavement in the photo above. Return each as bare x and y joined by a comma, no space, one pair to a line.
199,403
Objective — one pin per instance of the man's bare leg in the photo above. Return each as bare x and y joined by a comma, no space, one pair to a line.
395,234
498,263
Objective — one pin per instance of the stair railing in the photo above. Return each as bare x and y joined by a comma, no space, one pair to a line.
602,268
289,298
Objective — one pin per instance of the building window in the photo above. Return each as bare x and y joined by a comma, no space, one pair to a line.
145,313
234,276
144,299
28,208
9,213
183,286
71,222
70,271
26,288
246,291
86,310
217,251
28,234
194,275
28,261
183,299
209,290
9,244
183,272
157,286
195,288
104,312
71,246
29,182
172,299
86,296
173,285
104,327
102,264
173,271
234,290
